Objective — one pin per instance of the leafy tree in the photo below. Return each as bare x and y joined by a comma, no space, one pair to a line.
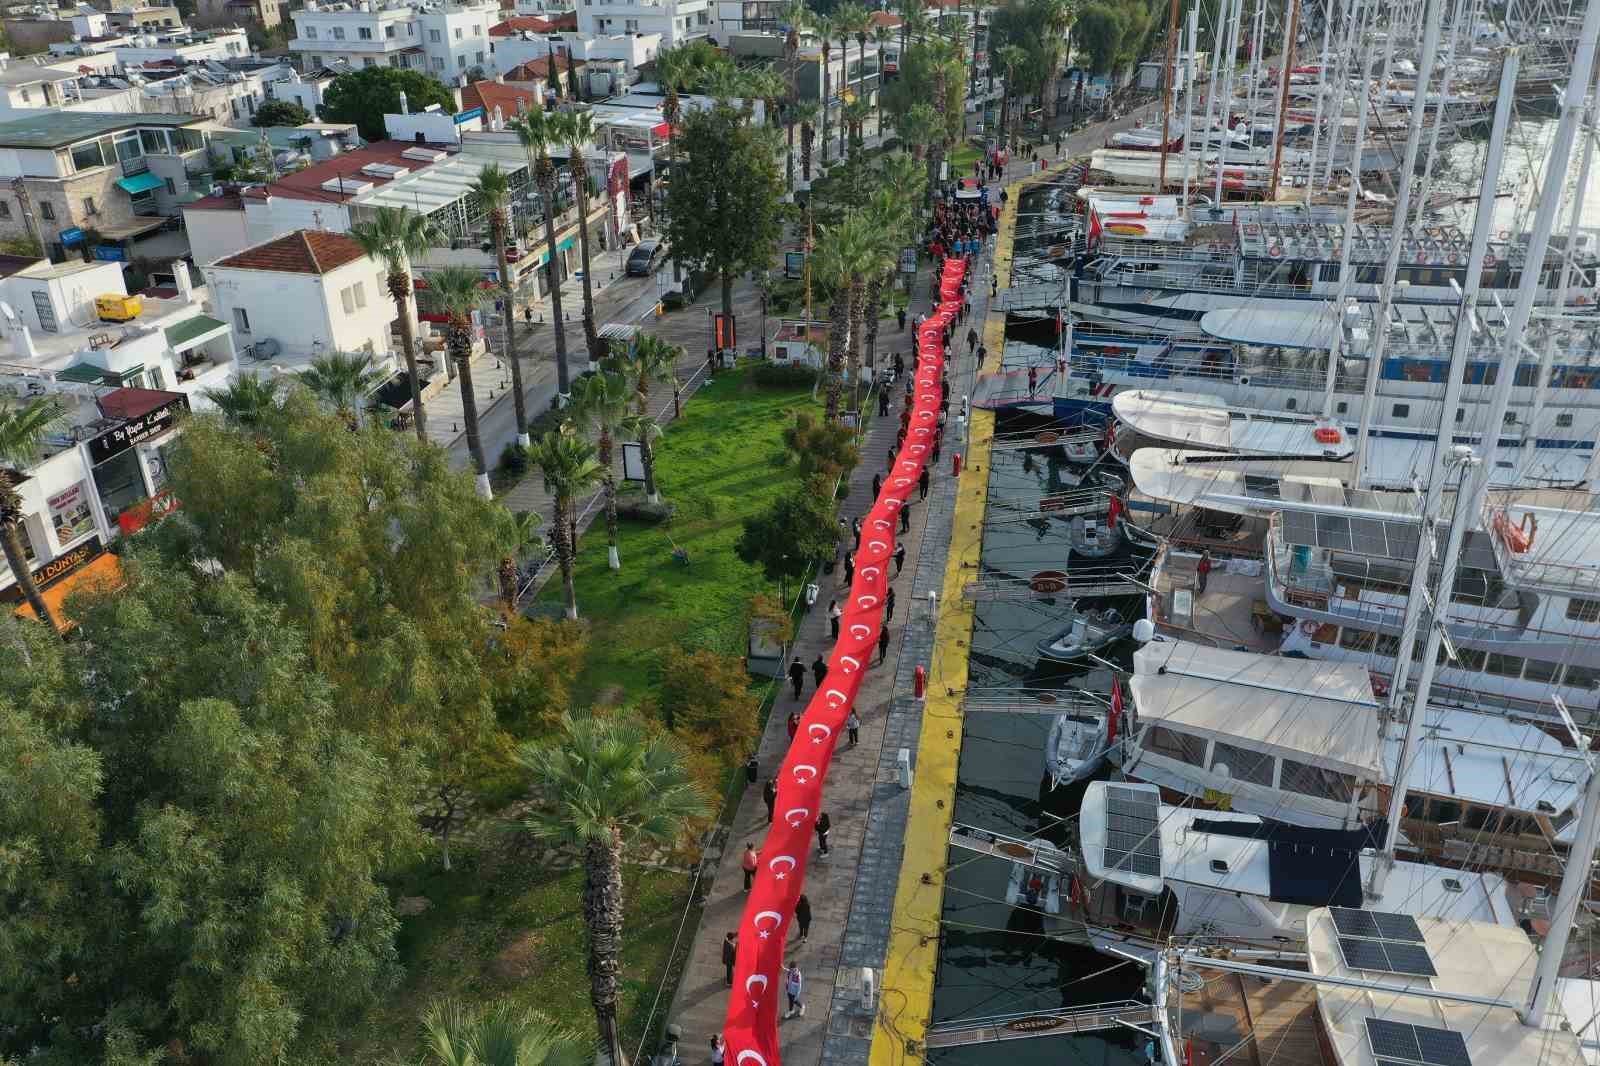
531,667
651,360
724,210
504,1033
365,96
281,113
493,189
678,70
819,448
707,696
538,131
603,401
610,785
194,834
798,529
1099,30
22,433
397,237
569,467
457,290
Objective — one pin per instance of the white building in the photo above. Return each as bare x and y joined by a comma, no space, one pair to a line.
181,47
444,39
677,21
308,293
26,87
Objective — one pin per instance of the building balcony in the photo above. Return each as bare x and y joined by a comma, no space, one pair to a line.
384,47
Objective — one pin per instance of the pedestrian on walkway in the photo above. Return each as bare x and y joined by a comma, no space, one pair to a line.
853,724
972,341
1202,570
527,314
922,484
905,519
883,399
797,678
752,770
899,559
983,353
899,364
883,643
792,723
855,530
994,287
877,485
719,1050
901,315
730,952
802,917
1033,379
849,567
966,307
769,796
794,987
888,603
748,864
834,614
819,669
824,824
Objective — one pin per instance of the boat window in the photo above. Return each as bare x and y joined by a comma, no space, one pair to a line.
1542,670
1478,817
1401,410
1469,659
1558,822
1244,764
1442,811
1317,781
1218,866
1564,421
1330,272
1289,405
1583,610
1450,884
1342,407
1518,825
1174,745
1580,676
1353,639
1387,646
1504,665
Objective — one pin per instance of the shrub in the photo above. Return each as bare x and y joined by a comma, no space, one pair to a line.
514,460
774,376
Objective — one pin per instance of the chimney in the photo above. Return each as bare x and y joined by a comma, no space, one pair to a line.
180,273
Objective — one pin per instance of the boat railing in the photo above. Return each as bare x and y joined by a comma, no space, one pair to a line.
1199,253
1512,547
1165,367
1198,282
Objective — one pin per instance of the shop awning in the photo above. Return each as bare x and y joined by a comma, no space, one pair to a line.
103,571
193,331
139,183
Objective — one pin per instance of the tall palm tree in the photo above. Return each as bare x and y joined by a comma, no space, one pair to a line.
22,433
538,130
502,1034
826,31
889,214
578,129
796,15
603,402
525,532
248,398
493,188
344,381
840,257
456,289
846,17
1011,57
569,467
1057,19
856,21
397,237
610,785
651,360
855,115
880,37
805,116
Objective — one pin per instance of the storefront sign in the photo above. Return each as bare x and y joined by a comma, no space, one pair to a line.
908,261
464,117
794,265
70,513
114,442
56,569
110,253
70,236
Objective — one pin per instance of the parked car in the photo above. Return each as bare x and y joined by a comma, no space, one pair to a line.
644,258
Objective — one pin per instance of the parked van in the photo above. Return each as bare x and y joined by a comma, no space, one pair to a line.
644,259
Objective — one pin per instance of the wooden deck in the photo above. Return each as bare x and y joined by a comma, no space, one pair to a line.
1275,1022
1226,615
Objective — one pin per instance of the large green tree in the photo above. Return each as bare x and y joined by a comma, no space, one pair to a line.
365,96
281,113
723,209
796,531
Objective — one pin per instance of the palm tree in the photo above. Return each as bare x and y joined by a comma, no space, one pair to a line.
493,188
502,1034
22,433
1057,20
344,381
603,401
880,37
525,531
854,115
840,257
578,129
652,359
796,15
825,29
890,216
845,20
248,398
856,22
1011,57
456,289
397,237
610,785
537,131
805,116
569,467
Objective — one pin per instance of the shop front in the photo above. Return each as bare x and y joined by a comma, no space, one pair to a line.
128,462
87,565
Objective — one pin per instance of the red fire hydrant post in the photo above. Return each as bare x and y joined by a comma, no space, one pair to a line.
955,464
919,681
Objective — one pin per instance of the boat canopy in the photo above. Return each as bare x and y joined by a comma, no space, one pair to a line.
1320,713
1196,478
1203,421
1268,328
1491,761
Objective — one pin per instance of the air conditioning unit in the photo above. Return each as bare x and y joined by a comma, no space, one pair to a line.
385,170
424,155
347,186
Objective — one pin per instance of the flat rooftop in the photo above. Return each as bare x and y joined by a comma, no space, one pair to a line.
57,129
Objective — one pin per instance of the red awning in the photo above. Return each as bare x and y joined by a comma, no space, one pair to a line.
662,129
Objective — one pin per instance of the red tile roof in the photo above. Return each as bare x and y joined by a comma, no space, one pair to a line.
307,184
523,23
305,251
228,201
132,403
883,18
508,98
539,69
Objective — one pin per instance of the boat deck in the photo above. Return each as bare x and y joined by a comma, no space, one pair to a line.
1232,613
1247,1022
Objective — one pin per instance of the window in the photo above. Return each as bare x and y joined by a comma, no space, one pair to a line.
311,33
1461,415
1316,781
1352,639
438,64
353,297
388,31
172,186
458,33
1583,610
5,209
1342,407
316,61
1564,421
361,293
411,29
1503,665
241,320
338,33
478,58
88,156
1174,745
1291,404
26,96
88,206
1401,410
364,32
1580,676
433,36
631,25
368,61
1541,670
1243,764
47,210
461,62
1510,418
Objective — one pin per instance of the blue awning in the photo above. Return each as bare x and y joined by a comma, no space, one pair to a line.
139,183
564,245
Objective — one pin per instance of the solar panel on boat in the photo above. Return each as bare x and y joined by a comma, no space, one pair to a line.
1133,841
1387,956
1378,925
1395,1043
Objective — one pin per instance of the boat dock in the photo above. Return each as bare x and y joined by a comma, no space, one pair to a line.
1127,1013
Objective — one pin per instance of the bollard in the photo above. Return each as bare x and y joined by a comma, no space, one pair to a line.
955,464
919,682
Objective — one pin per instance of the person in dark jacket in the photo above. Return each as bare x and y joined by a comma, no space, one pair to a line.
899,560
802,916
922,485
730,950
769,795
888,603
883,643
797,675
823,826
819,669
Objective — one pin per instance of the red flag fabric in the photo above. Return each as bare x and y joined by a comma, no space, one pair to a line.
1115,717
751,1024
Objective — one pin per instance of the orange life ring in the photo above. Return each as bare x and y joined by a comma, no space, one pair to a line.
1328,435
1488,260
1518,538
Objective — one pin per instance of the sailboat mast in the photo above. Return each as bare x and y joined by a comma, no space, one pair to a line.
1211,92
1439,113
1398,230
1283,96
1236,11
1188,98
1167,74
1355,20
1322,91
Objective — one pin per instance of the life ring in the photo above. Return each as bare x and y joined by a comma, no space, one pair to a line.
1328,435
1488,260
1275,251
1309,628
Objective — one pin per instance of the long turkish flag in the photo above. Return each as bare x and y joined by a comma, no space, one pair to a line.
751,1027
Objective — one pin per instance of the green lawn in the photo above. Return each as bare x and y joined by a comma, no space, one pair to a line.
504,928
717,465
962,158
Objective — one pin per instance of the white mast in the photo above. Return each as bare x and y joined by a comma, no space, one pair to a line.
1236,10
1355,20
1439,113
1188,102
1402,209
1322,90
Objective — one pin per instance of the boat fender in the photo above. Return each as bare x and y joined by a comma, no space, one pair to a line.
1075,890
1488,260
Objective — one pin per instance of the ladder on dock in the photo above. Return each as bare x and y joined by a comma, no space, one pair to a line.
1032,854
1127,1013
1034,701
1005,589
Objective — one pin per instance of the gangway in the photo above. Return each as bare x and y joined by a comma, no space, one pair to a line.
1126,1013
1032,854
1046,586
1050,701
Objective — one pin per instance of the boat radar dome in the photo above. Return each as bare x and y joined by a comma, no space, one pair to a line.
1144,630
